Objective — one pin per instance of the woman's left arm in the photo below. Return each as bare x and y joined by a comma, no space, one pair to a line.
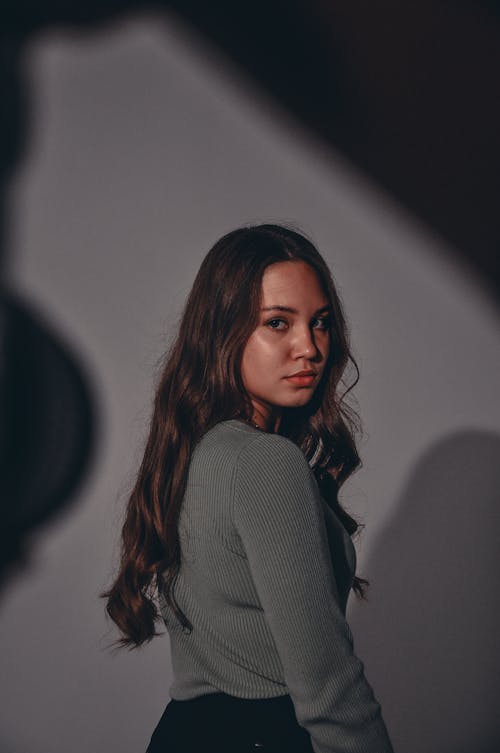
279,517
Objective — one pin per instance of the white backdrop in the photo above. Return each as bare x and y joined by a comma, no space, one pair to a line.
142,152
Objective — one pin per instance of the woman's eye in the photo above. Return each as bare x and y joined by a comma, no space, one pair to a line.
273,321
325,322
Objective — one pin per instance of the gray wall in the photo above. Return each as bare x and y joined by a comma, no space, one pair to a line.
143,152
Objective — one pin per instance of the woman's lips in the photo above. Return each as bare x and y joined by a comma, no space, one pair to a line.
301,381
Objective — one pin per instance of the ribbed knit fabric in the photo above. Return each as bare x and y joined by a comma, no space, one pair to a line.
266,570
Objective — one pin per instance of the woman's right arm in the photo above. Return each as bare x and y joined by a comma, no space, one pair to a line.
279,517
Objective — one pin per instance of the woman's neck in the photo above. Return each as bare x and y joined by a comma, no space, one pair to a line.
267,420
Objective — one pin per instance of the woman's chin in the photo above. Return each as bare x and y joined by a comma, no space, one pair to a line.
302,397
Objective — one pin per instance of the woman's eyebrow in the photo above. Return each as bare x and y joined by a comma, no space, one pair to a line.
328,307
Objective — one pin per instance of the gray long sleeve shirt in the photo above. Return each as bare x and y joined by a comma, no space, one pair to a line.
265,575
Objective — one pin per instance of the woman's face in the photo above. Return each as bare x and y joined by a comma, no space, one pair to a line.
292,335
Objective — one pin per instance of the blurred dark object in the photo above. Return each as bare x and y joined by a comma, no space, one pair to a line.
47,427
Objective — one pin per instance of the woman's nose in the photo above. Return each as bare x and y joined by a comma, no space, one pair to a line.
304,344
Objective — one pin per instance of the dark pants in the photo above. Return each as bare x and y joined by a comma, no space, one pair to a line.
220,723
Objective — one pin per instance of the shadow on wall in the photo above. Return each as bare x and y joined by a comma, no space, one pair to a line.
387,84
434,602
48,428
47,405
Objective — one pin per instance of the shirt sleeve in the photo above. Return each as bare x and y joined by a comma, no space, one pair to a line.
279,517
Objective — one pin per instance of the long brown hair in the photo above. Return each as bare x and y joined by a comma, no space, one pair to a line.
200,385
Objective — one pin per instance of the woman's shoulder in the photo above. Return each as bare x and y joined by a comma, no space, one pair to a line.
241,434
239,439
245,443
261,468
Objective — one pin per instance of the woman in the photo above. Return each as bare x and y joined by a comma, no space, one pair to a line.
235,509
